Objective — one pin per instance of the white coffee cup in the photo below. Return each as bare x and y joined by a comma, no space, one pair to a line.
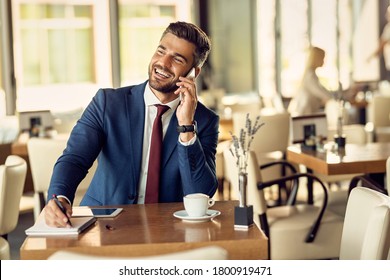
196,204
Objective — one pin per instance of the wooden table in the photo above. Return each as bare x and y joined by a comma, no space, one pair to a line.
368,159
142,230
354,158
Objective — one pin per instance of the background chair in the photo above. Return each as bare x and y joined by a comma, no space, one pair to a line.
12,177
379,112
43,154
355,134
388,175
220,170
295,231
64,121
269,145
203,253
366,230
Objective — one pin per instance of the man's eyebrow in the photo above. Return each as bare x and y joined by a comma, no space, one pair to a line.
175,54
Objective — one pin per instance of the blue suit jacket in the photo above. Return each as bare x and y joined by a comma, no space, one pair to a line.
111,128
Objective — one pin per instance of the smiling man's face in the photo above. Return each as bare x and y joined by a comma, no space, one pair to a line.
173,58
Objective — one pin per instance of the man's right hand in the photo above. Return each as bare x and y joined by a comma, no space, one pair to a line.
54,216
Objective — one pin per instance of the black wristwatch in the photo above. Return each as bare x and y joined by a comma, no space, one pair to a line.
187,128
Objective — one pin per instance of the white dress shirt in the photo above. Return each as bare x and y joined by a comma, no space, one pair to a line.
150,114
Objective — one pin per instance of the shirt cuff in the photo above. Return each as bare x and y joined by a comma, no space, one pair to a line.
63,196
189,143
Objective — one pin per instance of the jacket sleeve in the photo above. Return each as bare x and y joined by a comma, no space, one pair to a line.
197,161
83,147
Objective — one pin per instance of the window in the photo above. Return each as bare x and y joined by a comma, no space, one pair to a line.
48,30
286,28
63,48
62,52
294,43
141,24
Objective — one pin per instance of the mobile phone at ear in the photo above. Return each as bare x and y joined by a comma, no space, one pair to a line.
191,74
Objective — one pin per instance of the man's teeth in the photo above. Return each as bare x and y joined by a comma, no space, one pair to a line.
160,72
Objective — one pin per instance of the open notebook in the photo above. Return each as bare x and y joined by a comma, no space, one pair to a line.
40,228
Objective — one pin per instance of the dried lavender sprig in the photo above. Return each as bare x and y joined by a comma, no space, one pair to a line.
242,145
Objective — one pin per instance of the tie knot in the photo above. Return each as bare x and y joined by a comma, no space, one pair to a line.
161,109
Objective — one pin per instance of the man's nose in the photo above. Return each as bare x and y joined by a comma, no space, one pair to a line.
166,61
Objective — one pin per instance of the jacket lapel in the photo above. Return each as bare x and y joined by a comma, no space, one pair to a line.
136,110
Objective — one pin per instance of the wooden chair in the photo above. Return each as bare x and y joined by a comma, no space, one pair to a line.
12,177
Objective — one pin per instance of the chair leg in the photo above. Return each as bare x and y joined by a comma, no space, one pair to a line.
221,182
264,226
42,201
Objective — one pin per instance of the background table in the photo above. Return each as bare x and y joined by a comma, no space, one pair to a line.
369,159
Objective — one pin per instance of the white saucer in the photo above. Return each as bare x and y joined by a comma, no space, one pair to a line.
182,214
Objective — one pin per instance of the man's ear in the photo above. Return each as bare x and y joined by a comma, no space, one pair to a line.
197,71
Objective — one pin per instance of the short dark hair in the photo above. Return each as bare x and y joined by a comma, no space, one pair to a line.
191,33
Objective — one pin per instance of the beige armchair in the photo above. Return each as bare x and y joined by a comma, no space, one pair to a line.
379,110
270,145
12,177
366,230
295,231
355,134
388,175
43,154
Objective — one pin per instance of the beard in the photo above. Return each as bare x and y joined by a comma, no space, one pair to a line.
167,87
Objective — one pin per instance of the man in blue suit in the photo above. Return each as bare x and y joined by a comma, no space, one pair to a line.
116,128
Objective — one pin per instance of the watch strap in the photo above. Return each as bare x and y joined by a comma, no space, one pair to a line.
186,128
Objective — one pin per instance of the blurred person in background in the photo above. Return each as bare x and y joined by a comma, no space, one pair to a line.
312,96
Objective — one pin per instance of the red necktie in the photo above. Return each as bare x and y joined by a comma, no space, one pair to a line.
153,180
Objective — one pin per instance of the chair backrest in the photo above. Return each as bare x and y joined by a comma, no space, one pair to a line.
12,177
366,230
252,108
273,135
388,175
203,253
380,110
270,142
43,154
64,121
317,123
354,133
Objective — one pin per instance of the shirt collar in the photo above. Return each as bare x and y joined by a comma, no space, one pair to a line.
151,99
